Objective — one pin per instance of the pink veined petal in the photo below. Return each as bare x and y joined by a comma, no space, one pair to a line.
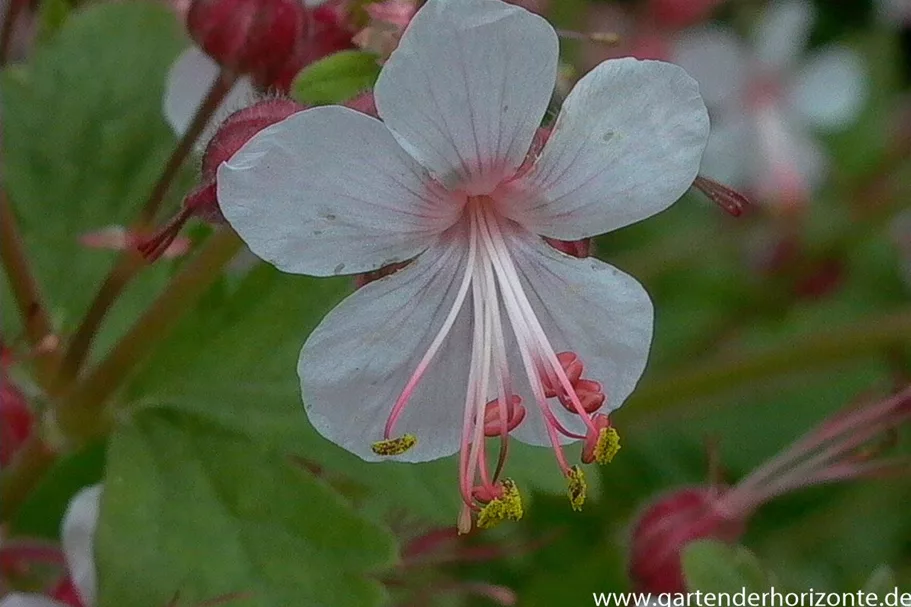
716,58
467,87
588,307
78,539
782,33
626,145
329,191
356,362
189,80
22,599
829,90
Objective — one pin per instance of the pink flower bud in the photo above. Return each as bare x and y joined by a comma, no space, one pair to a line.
666,527
253,37
234,132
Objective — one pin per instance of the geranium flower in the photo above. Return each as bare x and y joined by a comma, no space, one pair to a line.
488,331
767,100
77,535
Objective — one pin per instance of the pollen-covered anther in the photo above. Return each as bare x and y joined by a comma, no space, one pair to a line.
576,487
507,506
515,413
394,446
602,445
572,366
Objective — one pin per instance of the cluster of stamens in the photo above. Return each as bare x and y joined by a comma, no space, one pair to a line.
493,409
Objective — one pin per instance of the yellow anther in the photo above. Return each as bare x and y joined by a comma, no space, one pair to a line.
576,487
508,506
607,446
394,446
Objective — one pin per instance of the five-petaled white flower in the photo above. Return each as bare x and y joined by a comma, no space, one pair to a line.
767,101
488,331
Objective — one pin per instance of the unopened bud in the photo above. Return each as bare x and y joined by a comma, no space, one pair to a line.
254,37
233,133
666,527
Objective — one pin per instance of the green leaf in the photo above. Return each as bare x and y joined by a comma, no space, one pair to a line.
52,15
84,140
234,362
336,78
202,512
881,581
713,566
41,513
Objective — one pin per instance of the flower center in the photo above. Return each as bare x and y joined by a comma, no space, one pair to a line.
493,408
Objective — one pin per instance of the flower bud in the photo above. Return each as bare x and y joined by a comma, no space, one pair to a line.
664,529
234,132
254,37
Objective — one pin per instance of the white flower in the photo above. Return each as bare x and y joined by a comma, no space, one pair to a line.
469,332
768,101
78,538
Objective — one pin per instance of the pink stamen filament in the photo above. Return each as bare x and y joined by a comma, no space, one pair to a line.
404,398
509,280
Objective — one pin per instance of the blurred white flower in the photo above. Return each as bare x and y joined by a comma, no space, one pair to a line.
767,99
895,11
189,80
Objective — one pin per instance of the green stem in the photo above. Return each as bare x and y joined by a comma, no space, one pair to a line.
800,353
80,416
18,479
131,262
31,306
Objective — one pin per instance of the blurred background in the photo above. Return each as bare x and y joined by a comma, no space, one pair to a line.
169,375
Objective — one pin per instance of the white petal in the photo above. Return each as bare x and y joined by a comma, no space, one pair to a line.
467,87
730,151
783,32
188,83
21,599
830,89
355,364
715,57
588,307
78,539
329,191
626,145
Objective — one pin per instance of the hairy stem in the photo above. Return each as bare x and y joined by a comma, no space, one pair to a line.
131,262
22,474
31,306
81,414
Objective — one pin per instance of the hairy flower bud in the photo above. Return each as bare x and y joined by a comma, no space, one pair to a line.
234,132
254,37
666,527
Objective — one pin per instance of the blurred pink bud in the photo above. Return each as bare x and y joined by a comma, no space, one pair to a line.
119,238
678,14
253,37
17,419
666,527
843,447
